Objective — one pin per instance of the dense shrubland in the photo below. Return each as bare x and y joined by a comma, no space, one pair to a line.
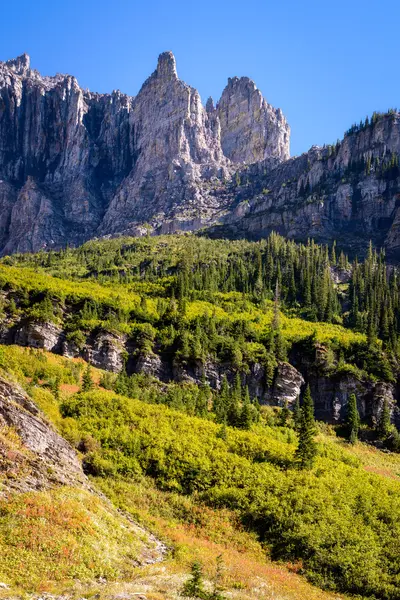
194,300
338,520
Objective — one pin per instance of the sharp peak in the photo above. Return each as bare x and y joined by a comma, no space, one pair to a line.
166,66
20,65
243,81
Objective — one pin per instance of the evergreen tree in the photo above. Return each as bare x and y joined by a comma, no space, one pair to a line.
307,449
383,427
353,419
297,414
284,415
194,586
87,381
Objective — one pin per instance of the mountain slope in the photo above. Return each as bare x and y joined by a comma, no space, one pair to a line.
348,192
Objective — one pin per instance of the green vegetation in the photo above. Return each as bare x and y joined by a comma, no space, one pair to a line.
295,490
353,419
339,520
191,299
331,517
307,449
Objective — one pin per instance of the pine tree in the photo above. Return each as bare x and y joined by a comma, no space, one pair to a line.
353,419
194,587
383,427
284,415
87,381
297,414
307,448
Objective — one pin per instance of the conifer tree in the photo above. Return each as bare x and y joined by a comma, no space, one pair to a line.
383,427
284,415
307,449
353,419
297,414
87,380
194,587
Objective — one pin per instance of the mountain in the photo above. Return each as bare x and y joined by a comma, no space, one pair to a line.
75,164
348,192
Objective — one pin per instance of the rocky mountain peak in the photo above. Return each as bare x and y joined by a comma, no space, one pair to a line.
76,164
166,66
20,65
251,129
210,105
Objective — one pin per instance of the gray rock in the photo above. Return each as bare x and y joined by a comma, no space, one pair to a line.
52,460
251,129
286,386
74,164
46,336
107,351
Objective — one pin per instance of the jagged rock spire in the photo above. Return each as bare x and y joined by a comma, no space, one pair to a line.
166,66
20,65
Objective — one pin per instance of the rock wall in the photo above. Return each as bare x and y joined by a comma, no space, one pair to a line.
76,164
251,129
48,459
348,193
330,390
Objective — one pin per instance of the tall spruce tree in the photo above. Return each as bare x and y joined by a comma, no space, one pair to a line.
353,419
297,414
383,427
307,448
87,380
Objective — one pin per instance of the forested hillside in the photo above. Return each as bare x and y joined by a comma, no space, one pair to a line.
232,396
206,315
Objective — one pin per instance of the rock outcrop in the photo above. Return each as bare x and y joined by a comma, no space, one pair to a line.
251,129
349,192
76,164
41,457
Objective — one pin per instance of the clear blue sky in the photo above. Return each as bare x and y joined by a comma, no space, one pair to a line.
326,64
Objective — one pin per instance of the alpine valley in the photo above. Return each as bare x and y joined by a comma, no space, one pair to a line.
199,347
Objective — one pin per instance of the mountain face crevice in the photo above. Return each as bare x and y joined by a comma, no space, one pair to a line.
76,164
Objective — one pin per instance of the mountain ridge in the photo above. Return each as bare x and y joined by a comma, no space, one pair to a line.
76,165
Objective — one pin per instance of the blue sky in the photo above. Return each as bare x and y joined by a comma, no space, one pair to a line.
326,64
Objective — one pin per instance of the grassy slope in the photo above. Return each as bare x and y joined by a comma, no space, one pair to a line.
192,530
123,296
50,539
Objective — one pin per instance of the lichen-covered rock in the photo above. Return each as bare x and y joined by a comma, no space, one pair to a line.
286,386
331,396
107,351
152,364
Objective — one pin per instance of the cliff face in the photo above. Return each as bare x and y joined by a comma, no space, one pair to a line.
251,129
112,352
74,164
349,192
32,454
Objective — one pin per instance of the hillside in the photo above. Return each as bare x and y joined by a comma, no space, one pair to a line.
168,371
189,311
229,492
